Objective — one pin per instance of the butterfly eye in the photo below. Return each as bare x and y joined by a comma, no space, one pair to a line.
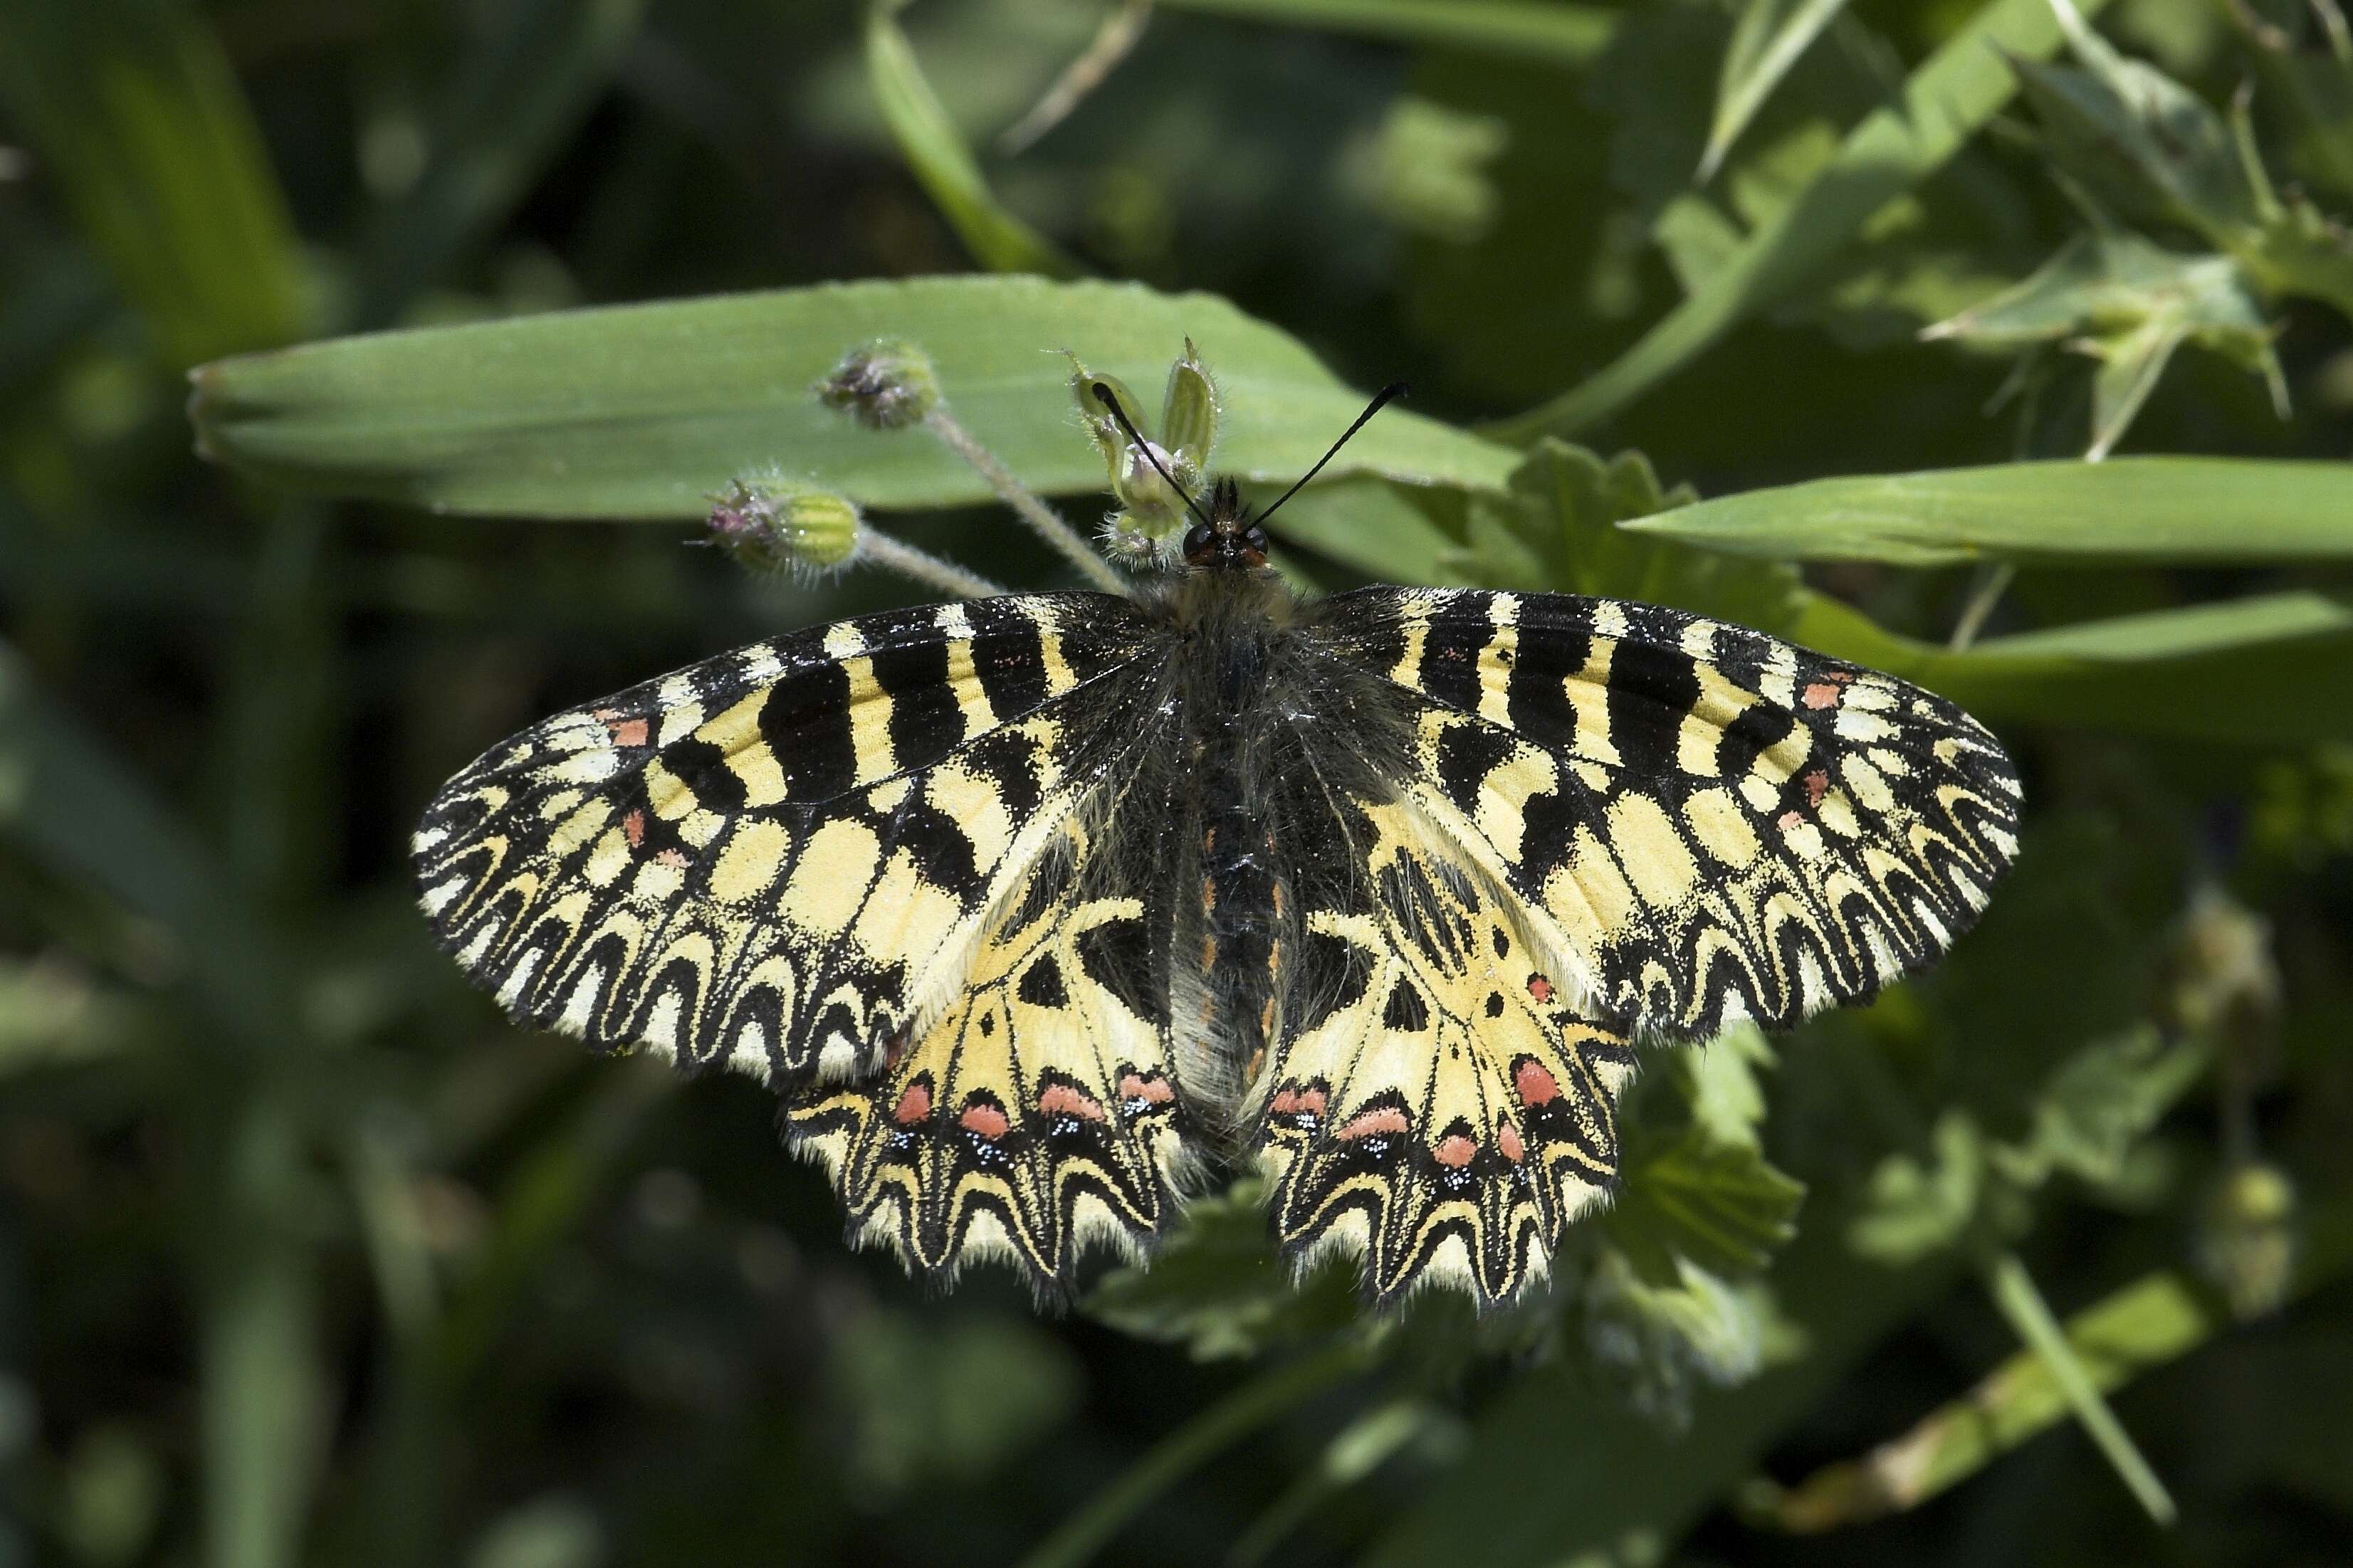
1198,541
1255,540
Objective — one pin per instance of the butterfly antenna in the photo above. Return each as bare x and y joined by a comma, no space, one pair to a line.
1104,395
1381,399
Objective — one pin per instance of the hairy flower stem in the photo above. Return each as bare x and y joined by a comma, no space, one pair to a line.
876,548
1049,524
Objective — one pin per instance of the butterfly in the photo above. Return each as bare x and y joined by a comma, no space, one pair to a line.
1039,910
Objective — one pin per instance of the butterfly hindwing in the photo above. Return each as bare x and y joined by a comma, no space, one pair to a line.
1716,824
1432,1104
1037,1113
781,857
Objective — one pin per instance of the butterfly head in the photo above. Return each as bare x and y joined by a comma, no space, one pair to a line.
1227,539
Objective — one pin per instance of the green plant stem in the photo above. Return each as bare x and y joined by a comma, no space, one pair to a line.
1049,524
1227,1422
1120,31
876,548
1992,581
2029,1315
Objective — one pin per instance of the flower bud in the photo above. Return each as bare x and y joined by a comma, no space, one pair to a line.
772,524
1148,510
2246,1237
887,384
1188,417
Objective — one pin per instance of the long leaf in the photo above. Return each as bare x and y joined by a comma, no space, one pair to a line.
2274,670
2153,1321
2138,510
1751,72
641,411
1945,102
1513,29
936,152
133,105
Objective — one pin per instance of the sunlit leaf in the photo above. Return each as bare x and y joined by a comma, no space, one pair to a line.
2126,511
643,411
1769,38
1517,29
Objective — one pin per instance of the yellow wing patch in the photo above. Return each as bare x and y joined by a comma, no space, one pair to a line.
1434,1104
1036,1115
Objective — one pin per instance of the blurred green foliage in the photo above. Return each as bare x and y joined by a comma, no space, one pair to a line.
305,1257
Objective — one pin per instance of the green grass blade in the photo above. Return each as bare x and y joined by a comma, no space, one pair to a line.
2151,1322
261,1385
1514,29
2022,1305
1751,74
509,107
936,154
1288,1384
134,108
2126,511
2274,669
1945,102
641,411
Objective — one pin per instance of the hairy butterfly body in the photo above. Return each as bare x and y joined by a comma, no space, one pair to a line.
1030,906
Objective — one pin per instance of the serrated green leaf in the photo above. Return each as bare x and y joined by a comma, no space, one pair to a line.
1557,531
1216,1287
1724,1084
642,411
2101,1101
2138,510
1914,1205
1701,1201
1658,1341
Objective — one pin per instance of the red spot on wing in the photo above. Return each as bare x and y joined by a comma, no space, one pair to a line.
1455,1152
634,825
1820,694
1540,988
674,858
1535,1084
629,732
1062,1100
1818,785
1507,1138
984,1120
1153,1091
1790,819
1372,1123
1289,1101
915,1105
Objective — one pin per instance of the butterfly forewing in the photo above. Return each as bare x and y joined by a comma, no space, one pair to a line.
1711,823
783,856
